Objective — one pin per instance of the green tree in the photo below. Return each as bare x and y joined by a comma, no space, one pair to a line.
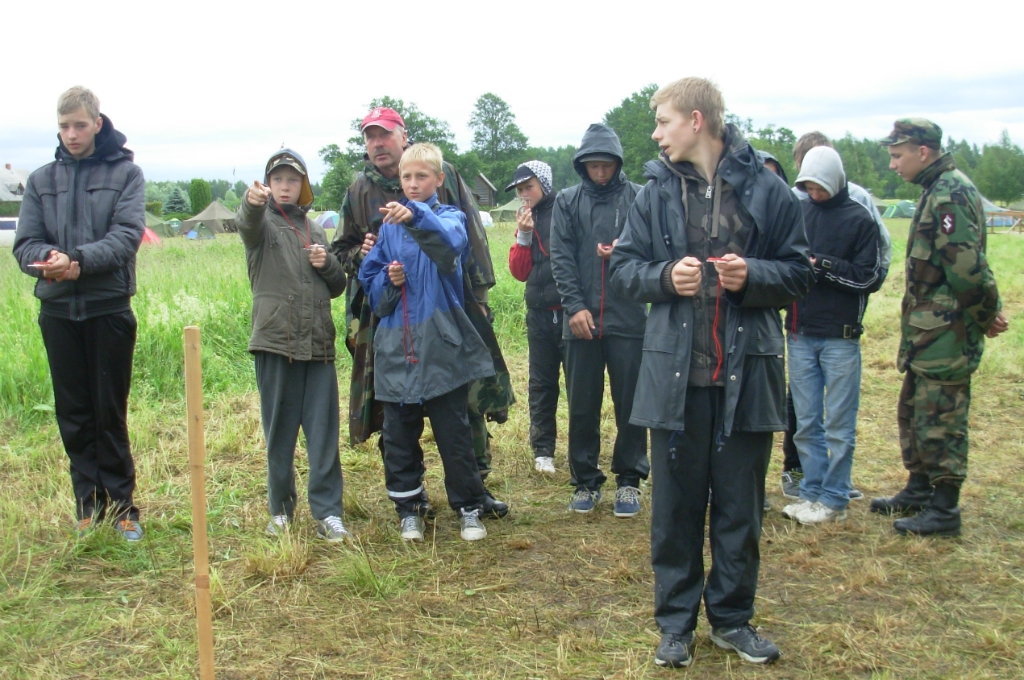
177,202
240,188
497,139
336,180
218,188
563,174
199,195
231,200
859,163
419,126
1000,172
778,141
633,122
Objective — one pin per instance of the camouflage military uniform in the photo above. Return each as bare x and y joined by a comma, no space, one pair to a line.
949,304
361,214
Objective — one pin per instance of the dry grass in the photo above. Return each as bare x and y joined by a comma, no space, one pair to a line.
546,595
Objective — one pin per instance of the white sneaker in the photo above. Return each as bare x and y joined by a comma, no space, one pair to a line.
331,529
472,529
793,509
412,528
278,525
816,513
544,464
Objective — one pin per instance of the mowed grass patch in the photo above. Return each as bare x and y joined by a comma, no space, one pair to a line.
546,595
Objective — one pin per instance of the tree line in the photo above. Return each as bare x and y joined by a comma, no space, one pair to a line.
499,145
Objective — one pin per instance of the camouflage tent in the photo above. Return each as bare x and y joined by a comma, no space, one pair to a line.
215,216
160,227
507,212
900,209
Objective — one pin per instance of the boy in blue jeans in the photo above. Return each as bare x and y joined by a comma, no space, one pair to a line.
426,350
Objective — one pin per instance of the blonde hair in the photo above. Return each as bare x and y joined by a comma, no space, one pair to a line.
695,94
76,98
423,153
808,142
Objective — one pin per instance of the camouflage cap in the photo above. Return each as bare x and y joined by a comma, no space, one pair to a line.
918,130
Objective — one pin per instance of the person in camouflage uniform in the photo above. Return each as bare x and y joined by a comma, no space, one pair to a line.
950,305
490,398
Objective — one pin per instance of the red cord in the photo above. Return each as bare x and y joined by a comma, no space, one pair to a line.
539,244
309,239
410,352
714,331
600,332
793,325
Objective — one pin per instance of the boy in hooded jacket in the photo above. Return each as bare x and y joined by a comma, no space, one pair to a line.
529,261
80,227
824,336
426,350
293,279
601,328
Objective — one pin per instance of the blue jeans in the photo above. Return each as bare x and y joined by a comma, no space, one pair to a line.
824,376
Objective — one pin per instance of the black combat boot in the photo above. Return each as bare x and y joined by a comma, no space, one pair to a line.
913,498
940,518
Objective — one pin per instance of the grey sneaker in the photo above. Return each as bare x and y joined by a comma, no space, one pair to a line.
331,529
746,642
674,650
791,482
412,528
129,529
278,525
472,529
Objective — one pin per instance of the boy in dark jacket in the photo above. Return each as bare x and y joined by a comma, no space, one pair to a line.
293,279
715,243
824,336
80,227
426,350
529,261
601,328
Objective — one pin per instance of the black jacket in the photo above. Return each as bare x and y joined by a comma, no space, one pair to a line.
541,291
585,215
778,272
843,239
94,210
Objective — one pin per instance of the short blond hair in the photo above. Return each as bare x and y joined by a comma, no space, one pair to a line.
423,153
695,94
79,97
808,142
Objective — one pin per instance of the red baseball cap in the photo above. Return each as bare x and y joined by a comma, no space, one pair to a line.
384,117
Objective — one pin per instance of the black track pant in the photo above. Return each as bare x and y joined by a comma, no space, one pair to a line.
302,394
547,357
685,465
403,456
791,459
91,367
585,361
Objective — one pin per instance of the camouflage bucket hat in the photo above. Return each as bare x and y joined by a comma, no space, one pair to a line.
918,130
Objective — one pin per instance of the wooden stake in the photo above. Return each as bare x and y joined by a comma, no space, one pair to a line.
196,458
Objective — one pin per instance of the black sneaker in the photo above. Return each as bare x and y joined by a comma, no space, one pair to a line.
492,508
747,643
675,650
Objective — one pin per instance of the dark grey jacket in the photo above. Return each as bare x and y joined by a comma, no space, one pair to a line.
291,299
584,215
779,272
94,210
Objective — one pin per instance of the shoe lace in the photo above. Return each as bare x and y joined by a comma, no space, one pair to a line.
334,524
628,494
581,496
84,523
471,518
280,521
125,525
410,523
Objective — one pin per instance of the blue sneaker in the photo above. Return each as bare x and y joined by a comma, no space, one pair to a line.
627,501
584,500
129,529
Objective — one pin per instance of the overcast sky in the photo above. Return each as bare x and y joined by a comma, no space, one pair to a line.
210,89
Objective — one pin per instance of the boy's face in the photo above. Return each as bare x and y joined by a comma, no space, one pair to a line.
385,148
816,192
78,132
674,133
530,192
285,184
908,160
419,181
600,172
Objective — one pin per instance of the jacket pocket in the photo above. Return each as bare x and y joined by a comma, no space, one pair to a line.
762,402
661,342
447,329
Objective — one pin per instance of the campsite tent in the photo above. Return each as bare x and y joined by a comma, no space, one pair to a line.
216,217
900,209
158,226
199,231
507,212
328,220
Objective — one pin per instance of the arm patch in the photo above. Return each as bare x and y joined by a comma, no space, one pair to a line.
947,222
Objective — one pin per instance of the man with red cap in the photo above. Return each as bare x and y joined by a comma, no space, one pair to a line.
386,139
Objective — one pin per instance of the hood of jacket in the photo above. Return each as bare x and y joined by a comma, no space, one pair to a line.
109,145
306,195
823,166
739,163
765,156
599,138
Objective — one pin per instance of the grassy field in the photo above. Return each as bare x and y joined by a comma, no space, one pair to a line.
546,595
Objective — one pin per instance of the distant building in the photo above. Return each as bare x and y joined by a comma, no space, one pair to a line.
484,192
12,189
